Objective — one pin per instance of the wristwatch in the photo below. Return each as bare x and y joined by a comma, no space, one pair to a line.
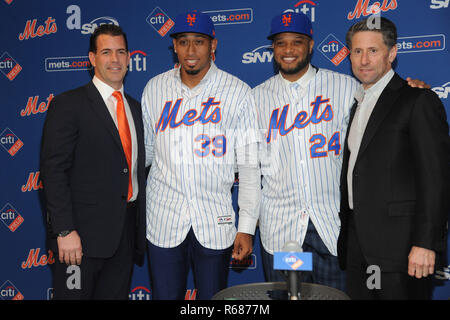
64,233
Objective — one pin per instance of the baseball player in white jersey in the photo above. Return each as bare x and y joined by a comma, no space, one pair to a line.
200,124
304,112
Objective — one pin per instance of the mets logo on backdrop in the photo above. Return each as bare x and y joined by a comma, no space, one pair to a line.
333,49
9,292
9,67
160,21
362,8
10,142
10,217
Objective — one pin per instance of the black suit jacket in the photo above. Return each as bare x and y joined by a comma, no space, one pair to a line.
85,172
400,178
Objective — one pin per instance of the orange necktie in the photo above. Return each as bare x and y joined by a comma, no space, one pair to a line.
125,136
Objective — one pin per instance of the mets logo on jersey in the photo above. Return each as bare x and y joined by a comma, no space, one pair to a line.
320,145
10,142
9,67
333,49
170,112
10,217
160,21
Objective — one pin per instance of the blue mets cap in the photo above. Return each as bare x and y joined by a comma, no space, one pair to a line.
193,21
291,22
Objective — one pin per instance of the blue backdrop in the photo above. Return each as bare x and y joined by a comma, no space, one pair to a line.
44,51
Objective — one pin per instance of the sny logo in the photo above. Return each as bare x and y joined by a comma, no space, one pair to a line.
74,21
443,91
10,217
10,142
9,292
439,4
261,54
333,49
160,21
9,67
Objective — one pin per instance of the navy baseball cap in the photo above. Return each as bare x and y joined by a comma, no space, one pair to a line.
291,22
193,21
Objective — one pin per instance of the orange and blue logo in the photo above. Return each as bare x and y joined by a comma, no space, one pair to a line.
9,292
333,49
190,19
160,21
9,67
10,142
10,217
286,19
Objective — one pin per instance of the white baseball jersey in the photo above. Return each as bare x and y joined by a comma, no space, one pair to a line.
190,137
301,163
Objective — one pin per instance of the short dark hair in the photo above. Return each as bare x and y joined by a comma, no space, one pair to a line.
109,29
386,28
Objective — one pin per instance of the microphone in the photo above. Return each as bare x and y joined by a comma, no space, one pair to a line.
293,259
293,283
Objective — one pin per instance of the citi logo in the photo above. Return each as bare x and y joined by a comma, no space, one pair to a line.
10,217
139,293
138,61
9,292
261,54
307,7
73,22
10,142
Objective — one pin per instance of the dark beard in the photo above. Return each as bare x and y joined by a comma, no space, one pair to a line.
192,72
302,64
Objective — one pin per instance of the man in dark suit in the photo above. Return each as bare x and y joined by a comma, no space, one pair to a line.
394,181
92,168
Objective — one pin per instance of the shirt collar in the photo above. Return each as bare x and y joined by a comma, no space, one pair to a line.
379,86
105,90
304,80
208,76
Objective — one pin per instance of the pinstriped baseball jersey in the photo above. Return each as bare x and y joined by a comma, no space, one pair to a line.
301,160
190,138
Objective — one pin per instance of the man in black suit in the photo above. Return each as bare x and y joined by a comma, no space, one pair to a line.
394,181
92,168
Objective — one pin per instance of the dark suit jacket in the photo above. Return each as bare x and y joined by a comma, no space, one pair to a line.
400,178
83,171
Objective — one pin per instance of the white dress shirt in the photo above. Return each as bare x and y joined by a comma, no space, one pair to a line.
367,100
111,103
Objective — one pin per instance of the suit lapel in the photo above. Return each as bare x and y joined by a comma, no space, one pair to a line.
99,108
383,106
